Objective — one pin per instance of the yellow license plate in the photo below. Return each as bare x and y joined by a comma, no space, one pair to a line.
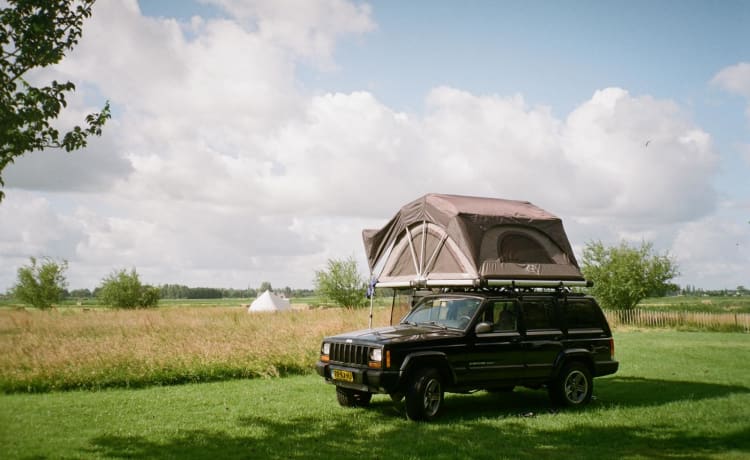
345,376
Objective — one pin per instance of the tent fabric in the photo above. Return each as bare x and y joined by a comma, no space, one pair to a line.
451,237
268,301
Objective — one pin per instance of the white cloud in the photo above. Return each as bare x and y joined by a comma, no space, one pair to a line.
714,252
736,80
308,28
94,169
220,169
646,161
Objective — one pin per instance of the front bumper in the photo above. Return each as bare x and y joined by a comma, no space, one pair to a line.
370,380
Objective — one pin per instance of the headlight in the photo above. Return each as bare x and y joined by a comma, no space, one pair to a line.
376,354
325,349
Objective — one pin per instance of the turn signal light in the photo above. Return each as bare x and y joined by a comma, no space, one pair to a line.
325,358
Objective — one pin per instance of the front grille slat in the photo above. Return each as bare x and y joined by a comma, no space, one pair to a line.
347,353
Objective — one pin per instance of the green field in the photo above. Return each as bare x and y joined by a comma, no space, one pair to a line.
677,395
713,304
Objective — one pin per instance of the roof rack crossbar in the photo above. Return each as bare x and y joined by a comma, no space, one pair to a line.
475,283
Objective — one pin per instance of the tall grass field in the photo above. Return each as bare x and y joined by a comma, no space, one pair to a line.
677,395
67,349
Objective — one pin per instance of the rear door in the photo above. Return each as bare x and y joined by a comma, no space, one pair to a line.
541,335
587,327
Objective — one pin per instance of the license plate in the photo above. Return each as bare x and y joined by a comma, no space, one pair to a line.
345,376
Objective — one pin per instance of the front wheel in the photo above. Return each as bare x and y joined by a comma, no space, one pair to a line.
424,398
352,398
573,387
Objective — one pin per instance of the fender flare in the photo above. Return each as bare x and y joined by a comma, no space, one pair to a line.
573,354
437,357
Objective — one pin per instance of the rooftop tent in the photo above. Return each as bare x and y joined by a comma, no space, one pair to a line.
268,301
451,240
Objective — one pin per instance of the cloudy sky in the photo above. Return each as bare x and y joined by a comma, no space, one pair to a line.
252,140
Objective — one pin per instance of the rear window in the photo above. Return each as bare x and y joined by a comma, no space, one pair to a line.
539,314
582,314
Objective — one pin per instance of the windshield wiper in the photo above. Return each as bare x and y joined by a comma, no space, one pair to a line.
409,323
435,323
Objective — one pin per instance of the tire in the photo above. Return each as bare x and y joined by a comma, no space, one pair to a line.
424,397
352,398
573,387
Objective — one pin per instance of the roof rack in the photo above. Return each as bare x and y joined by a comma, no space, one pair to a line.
478,283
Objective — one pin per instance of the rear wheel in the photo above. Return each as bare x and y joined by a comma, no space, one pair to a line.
352,398
573,387
424,398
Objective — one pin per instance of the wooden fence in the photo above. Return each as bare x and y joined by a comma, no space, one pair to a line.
680,319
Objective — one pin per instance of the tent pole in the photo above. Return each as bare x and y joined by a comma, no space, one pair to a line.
393,305
372,300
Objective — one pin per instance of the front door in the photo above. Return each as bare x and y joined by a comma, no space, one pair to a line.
497,356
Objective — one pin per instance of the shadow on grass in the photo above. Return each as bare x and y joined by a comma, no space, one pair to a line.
622,392
641,392
476,426
304,438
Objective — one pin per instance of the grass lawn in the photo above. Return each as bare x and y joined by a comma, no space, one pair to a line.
677,395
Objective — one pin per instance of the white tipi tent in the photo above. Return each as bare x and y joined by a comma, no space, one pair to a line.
268,301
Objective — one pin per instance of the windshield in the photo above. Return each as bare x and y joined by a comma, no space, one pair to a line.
447,312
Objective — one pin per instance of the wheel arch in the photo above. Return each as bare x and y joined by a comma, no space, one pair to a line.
580,355
427,359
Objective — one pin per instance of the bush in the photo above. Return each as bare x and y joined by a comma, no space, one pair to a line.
624,275
41,285
124,290
341,283
149,296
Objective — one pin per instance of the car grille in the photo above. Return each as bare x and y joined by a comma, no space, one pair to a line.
348,353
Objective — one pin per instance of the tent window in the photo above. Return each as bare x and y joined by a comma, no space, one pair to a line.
442,262
517,248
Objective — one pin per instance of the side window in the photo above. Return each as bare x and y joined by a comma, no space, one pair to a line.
504,316
539,314
582,314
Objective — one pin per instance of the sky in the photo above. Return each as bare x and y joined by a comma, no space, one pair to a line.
253,140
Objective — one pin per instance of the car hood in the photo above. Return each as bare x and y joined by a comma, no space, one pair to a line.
397,334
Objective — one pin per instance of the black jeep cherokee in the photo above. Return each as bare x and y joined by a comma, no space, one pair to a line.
464,341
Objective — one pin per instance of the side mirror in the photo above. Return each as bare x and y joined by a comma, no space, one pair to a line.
483,327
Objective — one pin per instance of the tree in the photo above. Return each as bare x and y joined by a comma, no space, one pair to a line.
41,284
265,286
38,33
341,283
80,293
624,275
124,290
